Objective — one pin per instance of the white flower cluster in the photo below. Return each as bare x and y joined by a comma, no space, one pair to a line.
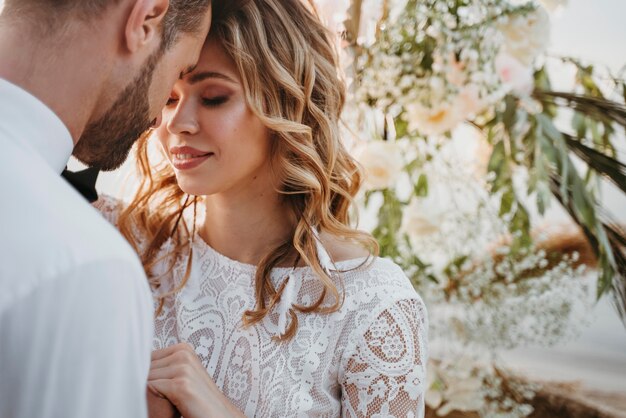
507,304
466,385
440,64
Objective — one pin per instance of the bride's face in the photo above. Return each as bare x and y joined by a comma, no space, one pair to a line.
212,139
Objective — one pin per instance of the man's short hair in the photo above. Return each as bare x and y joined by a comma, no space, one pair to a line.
183,16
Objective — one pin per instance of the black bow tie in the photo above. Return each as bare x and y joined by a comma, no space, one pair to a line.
84,182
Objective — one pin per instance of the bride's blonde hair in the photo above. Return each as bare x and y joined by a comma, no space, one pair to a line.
289,69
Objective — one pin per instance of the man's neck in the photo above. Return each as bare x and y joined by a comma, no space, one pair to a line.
62,73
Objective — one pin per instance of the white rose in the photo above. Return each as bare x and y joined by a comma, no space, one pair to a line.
527,36
420,218
513,74
381,162
436,120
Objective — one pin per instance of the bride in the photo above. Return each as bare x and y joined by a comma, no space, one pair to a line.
268,302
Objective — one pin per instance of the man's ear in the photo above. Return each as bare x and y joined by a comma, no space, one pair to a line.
144,23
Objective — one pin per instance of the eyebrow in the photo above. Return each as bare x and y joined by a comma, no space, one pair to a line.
187,71
196,78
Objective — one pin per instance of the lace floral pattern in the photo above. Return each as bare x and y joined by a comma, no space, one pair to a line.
365,360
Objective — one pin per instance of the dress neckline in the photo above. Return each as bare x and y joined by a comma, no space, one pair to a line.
205,248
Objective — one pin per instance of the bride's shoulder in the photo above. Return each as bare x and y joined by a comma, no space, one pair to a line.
110,207
362,270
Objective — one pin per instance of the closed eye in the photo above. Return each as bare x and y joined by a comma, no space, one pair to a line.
215,101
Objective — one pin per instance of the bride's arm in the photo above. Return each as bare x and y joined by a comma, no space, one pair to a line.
384,368
177,373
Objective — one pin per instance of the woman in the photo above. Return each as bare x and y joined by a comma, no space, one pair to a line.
271,305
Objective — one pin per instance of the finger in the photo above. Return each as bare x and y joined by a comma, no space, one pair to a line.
165,352
182,356
170,372
152,391
165,387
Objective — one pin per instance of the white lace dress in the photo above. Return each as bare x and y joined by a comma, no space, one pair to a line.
365,360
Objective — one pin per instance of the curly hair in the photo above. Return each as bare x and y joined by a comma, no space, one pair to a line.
288,65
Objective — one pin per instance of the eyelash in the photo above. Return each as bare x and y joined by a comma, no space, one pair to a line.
215,101
206,102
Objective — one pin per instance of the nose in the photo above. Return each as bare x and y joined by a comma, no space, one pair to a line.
183,121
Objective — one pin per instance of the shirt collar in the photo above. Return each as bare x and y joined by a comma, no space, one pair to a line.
27,121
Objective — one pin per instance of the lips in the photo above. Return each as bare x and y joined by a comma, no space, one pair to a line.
185,158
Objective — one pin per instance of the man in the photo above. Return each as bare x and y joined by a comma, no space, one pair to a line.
85,77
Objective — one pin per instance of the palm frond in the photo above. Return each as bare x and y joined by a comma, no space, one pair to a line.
597,107
617,239
609,167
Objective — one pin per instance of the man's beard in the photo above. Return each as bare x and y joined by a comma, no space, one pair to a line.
106,143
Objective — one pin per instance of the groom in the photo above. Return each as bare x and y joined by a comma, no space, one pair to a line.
85,77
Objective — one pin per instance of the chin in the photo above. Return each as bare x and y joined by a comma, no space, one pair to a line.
193,187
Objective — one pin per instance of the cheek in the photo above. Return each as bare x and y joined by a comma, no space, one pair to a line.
241,137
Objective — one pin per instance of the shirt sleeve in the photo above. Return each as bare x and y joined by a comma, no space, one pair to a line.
384,366
78,345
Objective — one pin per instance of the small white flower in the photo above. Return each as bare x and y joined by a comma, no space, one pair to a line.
463,395
527,36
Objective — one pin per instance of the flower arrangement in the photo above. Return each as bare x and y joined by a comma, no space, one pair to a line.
465,147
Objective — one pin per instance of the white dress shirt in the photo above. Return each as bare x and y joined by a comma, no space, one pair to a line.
76,314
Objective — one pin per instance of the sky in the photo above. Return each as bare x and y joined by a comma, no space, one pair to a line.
592,29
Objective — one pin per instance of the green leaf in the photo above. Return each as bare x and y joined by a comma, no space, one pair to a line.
421,188
606,275
543,197
542,81
402,127
603,240
579,124
500,167
520,226
582,205
389,221
510,112
561,150
539,178
506,202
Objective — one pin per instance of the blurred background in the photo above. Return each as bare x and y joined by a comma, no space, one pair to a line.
577,353
589,359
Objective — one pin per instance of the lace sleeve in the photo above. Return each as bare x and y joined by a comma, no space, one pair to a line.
110,207
384,366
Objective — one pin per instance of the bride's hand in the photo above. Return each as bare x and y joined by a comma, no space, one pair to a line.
159,406
177,373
